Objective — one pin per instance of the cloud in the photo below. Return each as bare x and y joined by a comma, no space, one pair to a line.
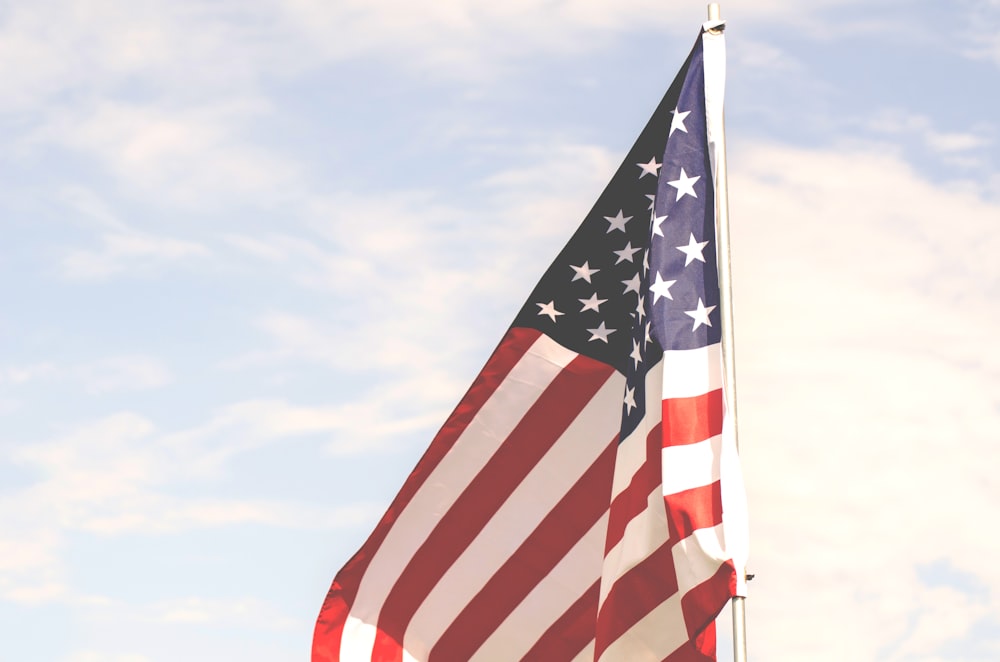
120,474
56,47
173,100
245,612
372,414
190,628
896,122
369,420
76,48
108,375
130,251
123,249
186,153
981,37
762,56
865,309
29,373
471,39
115,474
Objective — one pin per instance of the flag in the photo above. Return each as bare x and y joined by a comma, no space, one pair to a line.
583,501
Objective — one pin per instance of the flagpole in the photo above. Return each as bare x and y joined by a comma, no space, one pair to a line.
728,337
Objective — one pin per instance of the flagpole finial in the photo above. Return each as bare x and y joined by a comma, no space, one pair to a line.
714,14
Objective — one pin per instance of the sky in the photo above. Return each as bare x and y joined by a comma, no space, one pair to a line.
254,252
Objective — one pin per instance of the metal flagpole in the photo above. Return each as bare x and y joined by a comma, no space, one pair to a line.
728,344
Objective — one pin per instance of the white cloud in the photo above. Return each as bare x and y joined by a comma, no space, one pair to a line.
468,38
29,373
216,612
23,554
895,122
58,46
981,37
758,55
865,317
129,251
122,248
114,474
367,421
186,153
107,375
120,475
179,628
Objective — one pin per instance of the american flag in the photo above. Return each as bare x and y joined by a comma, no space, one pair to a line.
571,508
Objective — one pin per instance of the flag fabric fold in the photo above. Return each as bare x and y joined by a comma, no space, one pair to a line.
583,501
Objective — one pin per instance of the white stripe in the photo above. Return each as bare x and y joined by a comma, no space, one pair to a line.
552,596
698,557
473,449
631,454
691,465
663,630
356,636
691,372
654,637
547,483
644,534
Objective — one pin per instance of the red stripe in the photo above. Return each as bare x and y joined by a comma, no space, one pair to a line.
571,632
703,603
561,529
694,419
634,499
700,606
634,595
333,614
699,649
541,426
697,508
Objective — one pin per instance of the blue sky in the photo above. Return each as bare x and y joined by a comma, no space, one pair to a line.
254,252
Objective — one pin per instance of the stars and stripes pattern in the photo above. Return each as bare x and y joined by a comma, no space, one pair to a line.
571,506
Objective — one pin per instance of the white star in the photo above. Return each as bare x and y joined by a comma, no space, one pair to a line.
618,221
645,262
700,315
631,285
648,339
593,303
677,121
652,200
640,311
684,185
651,168
548,309
630,399
600,333
661,288
626,253
695,250
657,222
584,271
636,354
